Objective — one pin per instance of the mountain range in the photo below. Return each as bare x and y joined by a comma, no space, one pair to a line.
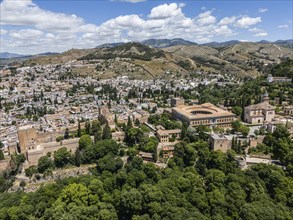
163,43
170,58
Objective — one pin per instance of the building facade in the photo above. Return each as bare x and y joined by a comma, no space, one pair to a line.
165,135
204,114
259,113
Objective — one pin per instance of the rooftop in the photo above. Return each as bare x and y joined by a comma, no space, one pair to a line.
206,110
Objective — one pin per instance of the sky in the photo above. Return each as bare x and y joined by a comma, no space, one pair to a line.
39,26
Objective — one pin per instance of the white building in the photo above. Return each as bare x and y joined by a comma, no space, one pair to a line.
260,113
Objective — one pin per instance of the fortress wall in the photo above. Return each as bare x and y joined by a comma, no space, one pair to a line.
42,150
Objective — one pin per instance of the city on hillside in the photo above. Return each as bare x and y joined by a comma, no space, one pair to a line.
146,110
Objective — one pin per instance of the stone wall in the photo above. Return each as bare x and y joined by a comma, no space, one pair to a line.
43,149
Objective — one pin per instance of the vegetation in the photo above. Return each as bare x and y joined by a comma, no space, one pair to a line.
124,51
198,184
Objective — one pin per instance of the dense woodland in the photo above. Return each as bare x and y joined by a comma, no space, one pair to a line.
197,184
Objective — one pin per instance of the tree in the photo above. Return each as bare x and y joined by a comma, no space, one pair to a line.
45,163
78,129
85,141
18,159
1,155
131,202
237,110
244,130
77,157
62,157
66,134
184,130
88,127
236,125
106,132
115,119
31,171
22,184
133,136
137,122
129,123
1,144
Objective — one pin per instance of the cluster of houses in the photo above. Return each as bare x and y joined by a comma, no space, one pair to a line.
37,104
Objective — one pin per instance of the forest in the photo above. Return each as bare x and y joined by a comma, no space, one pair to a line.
197,184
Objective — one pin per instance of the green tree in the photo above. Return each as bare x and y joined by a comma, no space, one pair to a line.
66,134
62,157
244,130
88,127
85,141
78,129
129,123
1,155
106,132
237,110
236,125
131,202
45,163
77,157
31,171
134,136
184,130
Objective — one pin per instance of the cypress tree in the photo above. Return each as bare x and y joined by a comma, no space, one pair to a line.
106,132
79,129
1,155
77,157
66,134
129,123
88,127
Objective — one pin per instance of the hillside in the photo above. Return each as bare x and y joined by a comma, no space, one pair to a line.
241,59
141,61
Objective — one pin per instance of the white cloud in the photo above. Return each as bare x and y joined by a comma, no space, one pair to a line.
262,34
165,11
223,31
255,30
26,34
20,13
283,26
35,30
262,10
3,31
246,21
206,18
228,20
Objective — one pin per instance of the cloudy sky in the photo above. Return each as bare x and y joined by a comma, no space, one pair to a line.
30,27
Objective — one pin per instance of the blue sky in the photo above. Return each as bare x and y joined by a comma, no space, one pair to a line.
40,26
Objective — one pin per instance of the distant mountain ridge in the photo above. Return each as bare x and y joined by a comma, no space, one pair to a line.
7,55
157,43
163,43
